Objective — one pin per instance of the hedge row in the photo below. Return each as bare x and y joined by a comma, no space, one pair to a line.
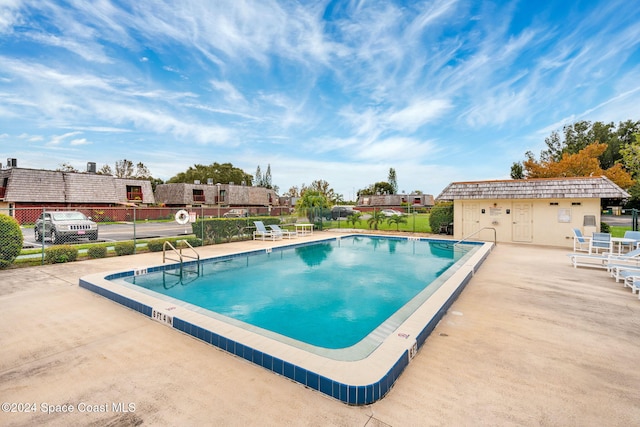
217,230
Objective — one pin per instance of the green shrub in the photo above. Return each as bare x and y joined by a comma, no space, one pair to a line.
227,229
97,252
124,248
441,214
604,228
194,241
60,254
155,245
10,240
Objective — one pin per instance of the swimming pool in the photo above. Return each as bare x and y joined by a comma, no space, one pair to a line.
358,367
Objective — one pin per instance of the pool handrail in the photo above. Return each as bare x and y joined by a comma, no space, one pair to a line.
495,235
180,255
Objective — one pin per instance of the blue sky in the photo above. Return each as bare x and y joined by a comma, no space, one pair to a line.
440,91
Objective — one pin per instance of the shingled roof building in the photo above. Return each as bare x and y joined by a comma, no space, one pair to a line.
190,195
537,211
25,188
396,200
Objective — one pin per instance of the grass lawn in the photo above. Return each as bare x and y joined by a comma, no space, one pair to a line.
418,223
618,231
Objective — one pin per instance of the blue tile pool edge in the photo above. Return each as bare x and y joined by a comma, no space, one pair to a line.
346,393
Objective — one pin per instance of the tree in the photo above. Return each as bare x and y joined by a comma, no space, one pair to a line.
321,186
311,203
583,163
267,178
124,168
105,170
292,192
258,181
381,187
66,167
376,218
354,218
577,136
142,172
397,220
517,171
224,173
631,157
393,181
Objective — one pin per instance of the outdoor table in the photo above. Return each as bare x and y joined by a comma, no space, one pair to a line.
304,229
623,241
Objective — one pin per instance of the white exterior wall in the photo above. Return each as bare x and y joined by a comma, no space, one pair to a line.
536,221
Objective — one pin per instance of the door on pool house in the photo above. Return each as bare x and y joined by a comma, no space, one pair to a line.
470,219
522,227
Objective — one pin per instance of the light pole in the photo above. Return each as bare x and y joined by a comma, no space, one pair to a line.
218,198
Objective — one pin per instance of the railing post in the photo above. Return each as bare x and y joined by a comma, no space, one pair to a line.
42,233
134,230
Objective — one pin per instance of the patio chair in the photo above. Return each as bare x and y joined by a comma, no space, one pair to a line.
285,233
600,242
635,235
580,242
263,233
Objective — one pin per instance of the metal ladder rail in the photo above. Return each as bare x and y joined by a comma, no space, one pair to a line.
495,235
178,253
180,259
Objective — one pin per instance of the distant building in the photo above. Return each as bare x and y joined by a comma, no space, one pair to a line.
24,188
397,200
228,195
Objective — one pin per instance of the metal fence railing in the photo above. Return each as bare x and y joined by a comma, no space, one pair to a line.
123,230
57,234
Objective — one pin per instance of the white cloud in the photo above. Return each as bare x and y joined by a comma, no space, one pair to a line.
230,93
79,141
419,113
9,15
58,139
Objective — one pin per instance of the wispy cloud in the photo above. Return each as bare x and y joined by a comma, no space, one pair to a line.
356,86
58,139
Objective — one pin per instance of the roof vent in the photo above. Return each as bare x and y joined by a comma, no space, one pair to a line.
12,163
91,167
196,181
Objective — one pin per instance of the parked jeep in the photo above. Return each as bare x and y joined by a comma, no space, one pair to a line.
63,226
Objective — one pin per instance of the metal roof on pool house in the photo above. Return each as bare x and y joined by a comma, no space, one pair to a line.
539,188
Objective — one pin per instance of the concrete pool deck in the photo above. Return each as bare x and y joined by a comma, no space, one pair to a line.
530,341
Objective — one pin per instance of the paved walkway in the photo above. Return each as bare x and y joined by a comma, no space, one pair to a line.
531,341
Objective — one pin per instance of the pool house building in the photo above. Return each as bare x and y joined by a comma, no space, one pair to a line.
536,211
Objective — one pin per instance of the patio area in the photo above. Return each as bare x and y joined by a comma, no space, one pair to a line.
530,341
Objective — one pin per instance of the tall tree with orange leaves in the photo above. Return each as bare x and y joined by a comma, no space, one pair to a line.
583,163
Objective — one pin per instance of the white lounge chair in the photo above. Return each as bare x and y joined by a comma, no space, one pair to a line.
263,233
609,260
580,242
619,263
632,280
285,233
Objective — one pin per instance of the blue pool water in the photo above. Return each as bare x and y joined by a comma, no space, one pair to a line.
330,294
